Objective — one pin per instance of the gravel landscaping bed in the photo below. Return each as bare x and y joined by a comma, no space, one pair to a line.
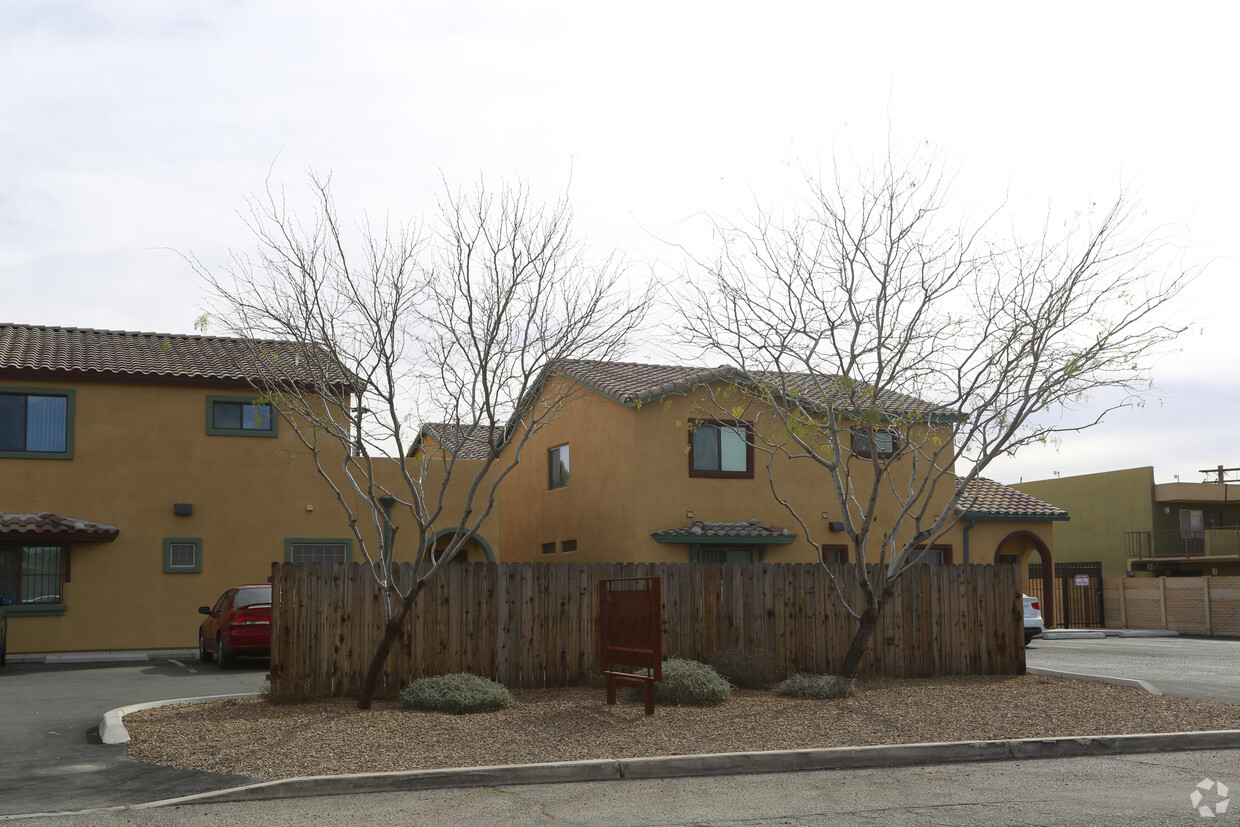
262,740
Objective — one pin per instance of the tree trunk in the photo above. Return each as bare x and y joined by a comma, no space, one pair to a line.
850,667
391,632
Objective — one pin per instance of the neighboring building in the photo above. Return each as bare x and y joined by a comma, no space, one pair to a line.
139,478
1134,526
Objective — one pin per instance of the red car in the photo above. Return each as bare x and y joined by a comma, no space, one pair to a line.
239,624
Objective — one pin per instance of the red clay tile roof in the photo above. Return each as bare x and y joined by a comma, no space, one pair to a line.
630,383
54,527
698,529
32,349
452,436
985,498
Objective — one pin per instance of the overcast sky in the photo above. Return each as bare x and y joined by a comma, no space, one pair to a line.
130,131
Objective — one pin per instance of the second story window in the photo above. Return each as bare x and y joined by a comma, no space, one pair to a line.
557,467
36,424
721,449
883,444
240,416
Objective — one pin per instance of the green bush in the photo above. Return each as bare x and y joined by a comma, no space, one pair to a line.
688,683
815,687
458,694
748,670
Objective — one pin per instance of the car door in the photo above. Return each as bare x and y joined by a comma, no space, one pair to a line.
215,619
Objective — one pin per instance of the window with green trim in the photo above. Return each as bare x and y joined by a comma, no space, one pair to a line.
240,416
32,575
182,555
36,423
318,550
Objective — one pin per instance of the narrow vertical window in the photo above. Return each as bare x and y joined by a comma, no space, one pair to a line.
557,467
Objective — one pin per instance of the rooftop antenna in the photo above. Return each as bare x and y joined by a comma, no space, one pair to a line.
1220,473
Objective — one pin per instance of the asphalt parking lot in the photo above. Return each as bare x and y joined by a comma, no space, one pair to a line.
51,759
1202,668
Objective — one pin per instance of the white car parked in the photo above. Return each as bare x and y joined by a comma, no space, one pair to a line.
1033,618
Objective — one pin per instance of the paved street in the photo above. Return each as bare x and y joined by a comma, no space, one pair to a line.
50,755
1201,668
1143,789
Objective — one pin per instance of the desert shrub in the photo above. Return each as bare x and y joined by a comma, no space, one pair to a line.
688,683
746,669
816,687
458,694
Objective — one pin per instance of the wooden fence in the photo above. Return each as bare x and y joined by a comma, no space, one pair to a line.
1189,605
535,624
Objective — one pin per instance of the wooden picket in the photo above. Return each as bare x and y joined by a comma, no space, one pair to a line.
535,624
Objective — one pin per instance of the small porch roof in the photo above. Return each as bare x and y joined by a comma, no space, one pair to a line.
47,526
700,532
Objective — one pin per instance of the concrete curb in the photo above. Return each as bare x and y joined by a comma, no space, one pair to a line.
676,766
1078,676
1099,634
112,727
123,656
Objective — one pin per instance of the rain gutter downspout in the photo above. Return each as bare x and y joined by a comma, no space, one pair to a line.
966,540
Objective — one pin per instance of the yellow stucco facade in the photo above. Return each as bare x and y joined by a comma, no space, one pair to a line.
139,448
143,445
630,478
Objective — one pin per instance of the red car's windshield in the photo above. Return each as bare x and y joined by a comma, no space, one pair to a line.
247,597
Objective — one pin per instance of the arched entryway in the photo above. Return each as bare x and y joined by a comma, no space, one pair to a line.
1017,548
476,549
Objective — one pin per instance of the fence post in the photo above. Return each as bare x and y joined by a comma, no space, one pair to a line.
1123,603
1205,596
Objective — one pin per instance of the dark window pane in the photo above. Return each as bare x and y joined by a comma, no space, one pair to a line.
30,574
227,415
706,448
12,423
557,467
248,597
45,423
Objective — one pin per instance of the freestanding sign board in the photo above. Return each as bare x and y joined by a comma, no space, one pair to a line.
631,634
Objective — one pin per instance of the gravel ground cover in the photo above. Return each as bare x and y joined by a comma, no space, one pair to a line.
262,740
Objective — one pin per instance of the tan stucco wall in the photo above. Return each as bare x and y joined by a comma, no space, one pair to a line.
138,449
630,478
596,508
1102,507
450,500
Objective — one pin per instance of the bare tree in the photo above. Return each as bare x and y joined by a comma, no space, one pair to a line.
410,362
844,314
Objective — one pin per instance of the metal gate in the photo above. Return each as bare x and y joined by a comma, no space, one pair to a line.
1078,594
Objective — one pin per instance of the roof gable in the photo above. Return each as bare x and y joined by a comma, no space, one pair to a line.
471,442
984,499
634,384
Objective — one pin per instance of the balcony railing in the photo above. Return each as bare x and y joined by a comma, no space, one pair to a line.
1211,542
